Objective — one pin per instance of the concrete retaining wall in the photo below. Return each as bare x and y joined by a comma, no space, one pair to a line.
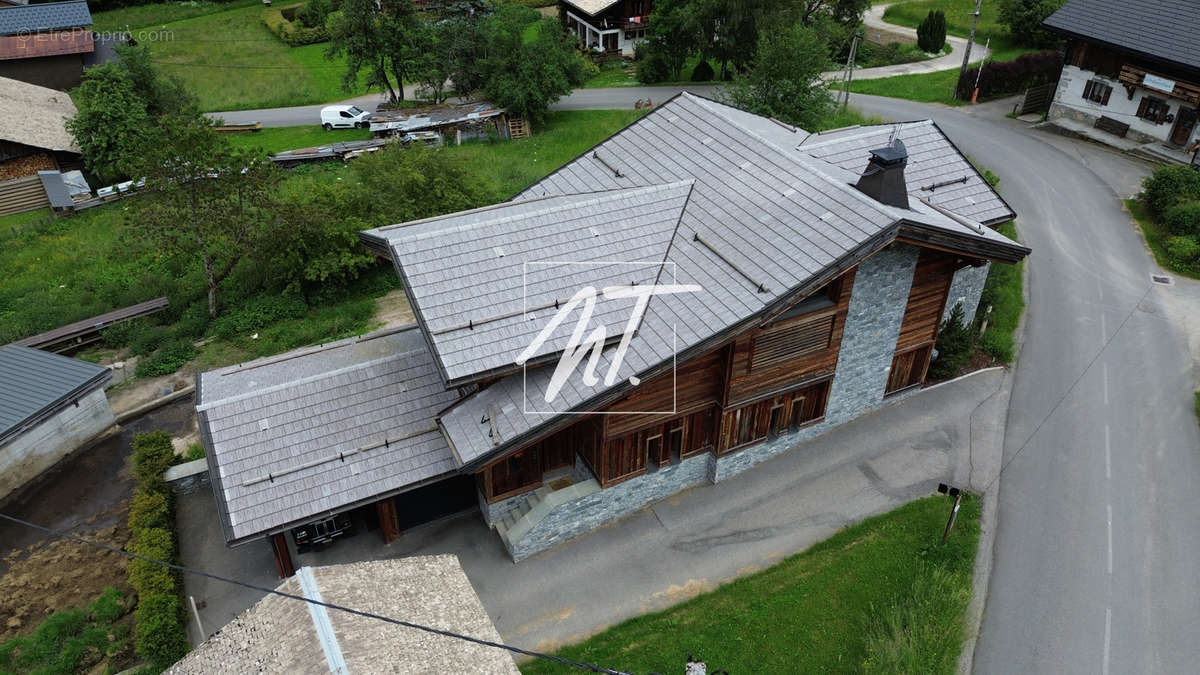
188,477
25,457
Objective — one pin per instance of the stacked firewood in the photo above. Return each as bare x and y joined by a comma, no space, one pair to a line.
28,165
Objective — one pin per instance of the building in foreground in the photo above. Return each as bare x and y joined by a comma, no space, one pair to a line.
50,406
1132,68
283,635
818,268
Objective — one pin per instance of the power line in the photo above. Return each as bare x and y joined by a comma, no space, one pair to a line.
329,605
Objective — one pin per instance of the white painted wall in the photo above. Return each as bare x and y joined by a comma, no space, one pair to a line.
1120,107
31,453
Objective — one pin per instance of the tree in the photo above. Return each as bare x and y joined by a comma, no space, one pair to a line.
1024,20
529,62
673,34
203,200
432,67
955,343
382,40
845,12
112,124
785,81
729,30
931,33
162,94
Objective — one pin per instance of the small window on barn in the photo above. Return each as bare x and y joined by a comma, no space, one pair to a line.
1153,109
1097,92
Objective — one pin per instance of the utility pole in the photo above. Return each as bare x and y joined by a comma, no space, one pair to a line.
970,41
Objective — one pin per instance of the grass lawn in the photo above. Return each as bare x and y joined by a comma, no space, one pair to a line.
1004,292
158,14
958,15
277,139
881,596
1156,237
230,61
922,87
92,639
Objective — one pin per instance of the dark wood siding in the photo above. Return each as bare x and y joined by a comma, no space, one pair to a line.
755,422
922,316
695,384
516,473
752,375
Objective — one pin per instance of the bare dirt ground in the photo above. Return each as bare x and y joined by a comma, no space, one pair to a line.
393,309
87,495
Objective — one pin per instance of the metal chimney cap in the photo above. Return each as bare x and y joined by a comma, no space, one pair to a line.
894,153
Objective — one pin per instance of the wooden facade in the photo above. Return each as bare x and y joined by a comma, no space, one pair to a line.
771,379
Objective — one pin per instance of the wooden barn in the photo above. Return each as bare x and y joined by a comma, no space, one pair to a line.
798,281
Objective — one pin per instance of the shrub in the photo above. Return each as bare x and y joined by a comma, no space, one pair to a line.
1183,219
314,14
955,342
194,452
1184,251
147,577
146,338
1001,78
931,33
258,313
279,21
159,634
703,72
170,357
650,65
149,509
152,455
1169,186
1024,20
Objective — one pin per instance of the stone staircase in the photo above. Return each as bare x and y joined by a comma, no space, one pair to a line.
517,523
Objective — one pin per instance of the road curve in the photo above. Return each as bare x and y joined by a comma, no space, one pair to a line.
1097,539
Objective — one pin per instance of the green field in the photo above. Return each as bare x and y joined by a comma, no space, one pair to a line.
881,596
158,14
230,61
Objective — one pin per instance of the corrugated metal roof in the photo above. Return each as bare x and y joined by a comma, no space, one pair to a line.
301,434
34,384
23,19
1164,29
937,172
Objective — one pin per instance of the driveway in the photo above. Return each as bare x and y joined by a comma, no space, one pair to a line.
676,548
1095,556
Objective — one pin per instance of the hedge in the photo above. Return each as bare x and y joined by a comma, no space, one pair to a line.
1170,186
1001,78
159,634
291,32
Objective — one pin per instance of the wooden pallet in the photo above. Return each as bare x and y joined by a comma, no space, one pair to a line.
518,128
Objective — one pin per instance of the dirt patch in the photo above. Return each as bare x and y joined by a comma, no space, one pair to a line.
979,360
393,310
55,575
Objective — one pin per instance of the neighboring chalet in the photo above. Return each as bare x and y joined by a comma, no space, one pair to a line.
825,264
33,130
1132,68
50,406
46,44
610,26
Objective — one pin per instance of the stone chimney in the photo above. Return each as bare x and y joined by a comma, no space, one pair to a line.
883,180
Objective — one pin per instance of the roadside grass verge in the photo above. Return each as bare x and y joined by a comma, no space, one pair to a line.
90,639
278,139
1004,293
160,13
230,61
935,87
880,596
1156,238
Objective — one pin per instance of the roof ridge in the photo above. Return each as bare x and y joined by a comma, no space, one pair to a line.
311,349
866,131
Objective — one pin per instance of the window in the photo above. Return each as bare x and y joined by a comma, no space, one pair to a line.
1097,92
699,432
654,448
1153,109
808,404
778,419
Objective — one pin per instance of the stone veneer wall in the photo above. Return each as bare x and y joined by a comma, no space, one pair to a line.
188,477
587,513
966,289
492,513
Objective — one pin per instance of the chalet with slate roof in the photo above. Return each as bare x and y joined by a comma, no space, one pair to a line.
46,44
1132,68
607,26
810,274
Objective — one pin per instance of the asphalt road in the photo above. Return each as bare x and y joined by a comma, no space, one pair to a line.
1095,566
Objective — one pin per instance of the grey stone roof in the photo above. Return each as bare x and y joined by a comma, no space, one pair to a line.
22,19
282,635
934,167
298,435
765,225
1163,29
484,285
35,384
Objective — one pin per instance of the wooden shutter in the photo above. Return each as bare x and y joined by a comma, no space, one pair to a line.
1107,93
778,345
1141,111
1087,90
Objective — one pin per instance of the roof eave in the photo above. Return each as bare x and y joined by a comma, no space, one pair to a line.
921,233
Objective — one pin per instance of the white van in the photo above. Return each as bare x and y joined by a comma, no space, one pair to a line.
344,117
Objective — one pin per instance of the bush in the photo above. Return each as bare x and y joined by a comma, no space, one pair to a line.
258,313
194,452
279,20
1169,186
1024,20
703,72
1001,78
314,14
170,357
955,342
152,455
650,65
146,338
1184,251
159,635
1183,219
149,509
931,34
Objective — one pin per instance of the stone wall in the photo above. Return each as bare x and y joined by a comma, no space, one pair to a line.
965,290
574,518
26,456
492,513
188,477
